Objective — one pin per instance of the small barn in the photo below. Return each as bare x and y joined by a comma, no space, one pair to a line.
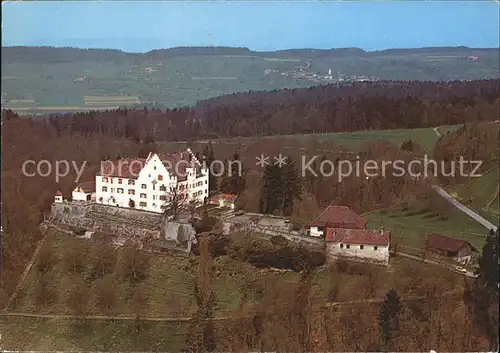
460,250
84,191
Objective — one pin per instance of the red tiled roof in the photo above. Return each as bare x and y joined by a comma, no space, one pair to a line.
358,236
128,168
441,242
87,187
228,197
59,193
177,163
339,217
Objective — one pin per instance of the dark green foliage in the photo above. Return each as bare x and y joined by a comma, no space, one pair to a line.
281,188
389,316
488,262
208,157
233,181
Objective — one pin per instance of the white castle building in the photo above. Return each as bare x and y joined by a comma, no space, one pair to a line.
149,184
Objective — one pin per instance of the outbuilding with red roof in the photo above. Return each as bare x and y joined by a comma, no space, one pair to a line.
364,245
336,217
460,250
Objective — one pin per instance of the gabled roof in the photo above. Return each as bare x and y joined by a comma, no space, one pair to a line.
59,193
87,187
357,236
339,217
441,242
128,168
227,197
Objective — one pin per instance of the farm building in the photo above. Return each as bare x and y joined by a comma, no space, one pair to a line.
460,250
362,245
84,192
336,217
224,200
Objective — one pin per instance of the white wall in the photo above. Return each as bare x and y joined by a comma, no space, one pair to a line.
79,196
368,253
152,169
58,199
315,232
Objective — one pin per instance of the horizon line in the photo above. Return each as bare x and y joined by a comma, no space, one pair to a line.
251,50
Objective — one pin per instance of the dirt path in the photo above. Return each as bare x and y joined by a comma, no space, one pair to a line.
29,265
319,309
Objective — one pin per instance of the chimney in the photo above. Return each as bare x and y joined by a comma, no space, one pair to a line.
381,230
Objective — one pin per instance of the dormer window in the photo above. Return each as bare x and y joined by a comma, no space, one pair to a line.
160,177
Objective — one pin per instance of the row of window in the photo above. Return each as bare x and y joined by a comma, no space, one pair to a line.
199,193
348,246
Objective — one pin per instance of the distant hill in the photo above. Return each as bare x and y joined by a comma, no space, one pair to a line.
53,54
70,79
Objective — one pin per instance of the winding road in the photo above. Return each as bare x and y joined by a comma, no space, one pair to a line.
464,208
460,206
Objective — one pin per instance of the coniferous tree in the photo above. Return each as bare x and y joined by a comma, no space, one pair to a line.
208,158
488,262
389,316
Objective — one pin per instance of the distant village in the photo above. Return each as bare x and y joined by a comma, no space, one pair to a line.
304,73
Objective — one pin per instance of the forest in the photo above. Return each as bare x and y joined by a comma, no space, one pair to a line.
322,109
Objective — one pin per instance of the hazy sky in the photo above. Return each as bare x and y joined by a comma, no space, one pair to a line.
141,26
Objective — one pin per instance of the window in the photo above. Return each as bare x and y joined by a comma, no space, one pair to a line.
131,182
131,192
154,197
375,247
154,168
194,194
104,180
348,246
163,188
163,198
206,181
119,190
120,181
361,247
154,205
104,188
143,196
160,177
341,246
206,191
112,189
143,186
143,204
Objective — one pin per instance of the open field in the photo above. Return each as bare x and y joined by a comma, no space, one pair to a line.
28,334
169,283
481,192
52,79
350,141
111,100
354,141
414,227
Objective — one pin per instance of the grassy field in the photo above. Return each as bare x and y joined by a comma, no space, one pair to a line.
354,141
481,192
168,286
414,227
29,334
206,76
